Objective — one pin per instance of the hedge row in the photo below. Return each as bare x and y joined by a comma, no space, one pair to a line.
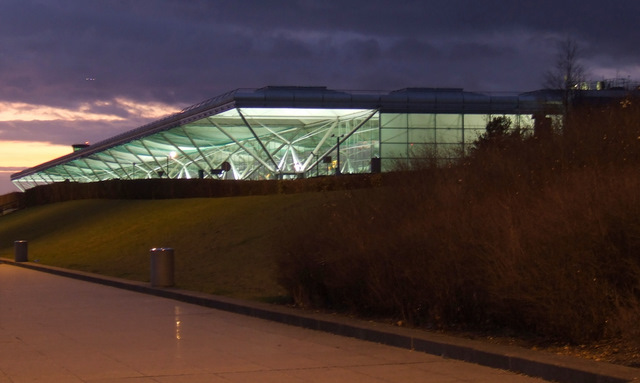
182,188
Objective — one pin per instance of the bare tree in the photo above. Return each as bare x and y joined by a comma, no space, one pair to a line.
567,74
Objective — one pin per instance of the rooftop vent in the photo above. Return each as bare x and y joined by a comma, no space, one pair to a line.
276,87
77,147
418,90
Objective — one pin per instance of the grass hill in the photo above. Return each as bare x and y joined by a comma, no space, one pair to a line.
222,245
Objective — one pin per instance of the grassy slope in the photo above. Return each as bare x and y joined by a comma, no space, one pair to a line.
222,245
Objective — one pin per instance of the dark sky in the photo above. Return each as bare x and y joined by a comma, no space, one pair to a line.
90,56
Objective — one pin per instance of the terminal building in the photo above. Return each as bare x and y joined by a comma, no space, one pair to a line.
295,132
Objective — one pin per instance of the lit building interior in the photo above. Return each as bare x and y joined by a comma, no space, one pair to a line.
294,132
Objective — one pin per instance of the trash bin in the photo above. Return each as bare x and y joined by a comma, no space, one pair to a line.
162,264
21,251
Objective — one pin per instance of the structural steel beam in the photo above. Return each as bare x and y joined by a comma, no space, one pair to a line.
257,138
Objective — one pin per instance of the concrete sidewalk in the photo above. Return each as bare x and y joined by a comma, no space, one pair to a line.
55,329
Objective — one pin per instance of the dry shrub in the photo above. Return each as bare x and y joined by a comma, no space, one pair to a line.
540,236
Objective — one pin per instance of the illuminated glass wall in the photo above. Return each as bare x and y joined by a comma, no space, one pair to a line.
291,132
239,143
442,135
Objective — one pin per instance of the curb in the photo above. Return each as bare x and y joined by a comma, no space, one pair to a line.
558,368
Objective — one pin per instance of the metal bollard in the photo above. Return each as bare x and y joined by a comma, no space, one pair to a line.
20,251
162,267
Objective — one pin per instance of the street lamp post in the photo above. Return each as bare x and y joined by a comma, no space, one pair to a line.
315,161
338,152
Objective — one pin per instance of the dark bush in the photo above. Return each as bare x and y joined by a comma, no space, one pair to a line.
537,235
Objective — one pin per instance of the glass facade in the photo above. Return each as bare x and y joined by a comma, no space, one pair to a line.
442,135
275,133
240,143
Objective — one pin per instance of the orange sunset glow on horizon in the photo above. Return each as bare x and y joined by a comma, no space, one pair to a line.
24,154
16,154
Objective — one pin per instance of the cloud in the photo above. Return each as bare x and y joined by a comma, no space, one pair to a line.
83,65
19,111
10,169
182,52
88,121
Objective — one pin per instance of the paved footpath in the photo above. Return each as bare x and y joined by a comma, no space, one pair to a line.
57,329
